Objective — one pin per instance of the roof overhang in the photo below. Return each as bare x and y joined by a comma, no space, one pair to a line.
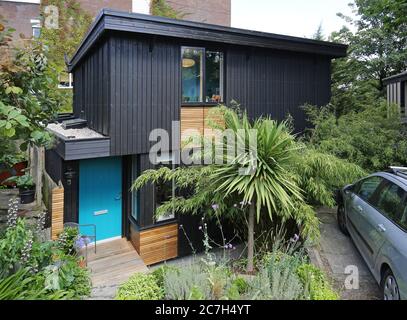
396,78
158,26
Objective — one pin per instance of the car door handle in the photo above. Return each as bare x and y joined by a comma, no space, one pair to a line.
381,228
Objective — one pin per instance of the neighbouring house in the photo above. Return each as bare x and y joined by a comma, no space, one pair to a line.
397,92
135,73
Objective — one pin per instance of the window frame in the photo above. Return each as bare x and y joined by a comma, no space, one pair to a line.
373,198
71,81
203,77
384,184
136,159
158,162
35,25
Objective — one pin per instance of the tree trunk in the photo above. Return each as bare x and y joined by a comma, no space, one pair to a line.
250,238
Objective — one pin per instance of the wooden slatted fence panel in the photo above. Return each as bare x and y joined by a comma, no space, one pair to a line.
57,212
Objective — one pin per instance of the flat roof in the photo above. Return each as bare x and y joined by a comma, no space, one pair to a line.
396,78
114,20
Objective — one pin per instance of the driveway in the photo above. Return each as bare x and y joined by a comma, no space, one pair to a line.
335,253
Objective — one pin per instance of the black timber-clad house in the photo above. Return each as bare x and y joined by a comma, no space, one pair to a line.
134,73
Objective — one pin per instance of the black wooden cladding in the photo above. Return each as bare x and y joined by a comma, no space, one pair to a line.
56,168
268,82
92,89
145,91
137,87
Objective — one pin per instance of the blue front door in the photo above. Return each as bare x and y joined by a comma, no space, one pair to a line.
100,198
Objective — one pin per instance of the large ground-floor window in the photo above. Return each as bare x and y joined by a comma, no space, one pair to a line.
164,190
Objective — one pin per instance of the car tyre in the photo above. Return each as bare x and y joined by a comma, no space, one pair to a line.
342,219
389,286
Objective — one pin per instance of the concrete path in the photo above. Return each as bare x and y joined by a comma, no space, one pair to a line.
335,253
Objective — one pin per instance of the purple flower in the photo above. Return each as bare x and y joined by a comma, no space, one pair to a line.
230,246
295,238
215,207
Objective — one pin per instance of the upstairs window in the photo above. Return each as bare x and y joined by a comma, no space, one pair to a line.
36,28
65,81
202,75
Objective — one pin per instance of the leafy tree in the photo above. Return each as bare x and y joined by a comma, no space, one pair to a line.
373,138
27,101
378,49
288,179
73,23
163,9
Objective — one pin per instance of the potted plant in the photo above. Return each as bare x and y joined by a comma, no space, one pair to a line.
26,187
12,165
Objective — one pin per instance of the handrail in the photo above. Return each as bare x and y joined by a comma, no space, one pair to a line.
78,226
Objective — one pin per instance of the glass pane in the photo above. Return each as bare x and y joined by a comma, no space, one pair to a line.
164,190
214,75
390,200
403,219
135,194
368,187
65,80
192,75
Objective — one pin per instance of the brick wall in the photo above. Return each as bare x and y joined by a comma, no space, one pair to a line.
208,11
94,6
19,15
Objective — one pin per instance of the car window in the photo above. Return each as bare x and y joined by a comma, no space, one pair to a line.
367,187
403,217
390,201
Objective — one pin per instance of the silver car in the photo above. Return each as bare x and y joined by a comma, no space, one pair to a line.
373,211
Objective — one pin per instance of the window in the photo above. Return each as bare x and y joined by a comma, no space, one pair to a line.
65,81
36,28
135,195
214,76
403,217
164,190
368,186
390,200
202,75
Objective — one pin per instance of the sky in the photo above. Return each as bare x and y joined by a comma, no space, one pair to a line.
299,18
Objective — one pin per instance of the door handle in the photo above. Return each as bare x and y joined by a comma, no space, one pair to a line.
381,228
359,209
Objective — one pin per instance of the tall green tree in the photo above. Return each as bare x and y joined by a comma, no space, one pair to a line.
377,49
67,30
27,99
319,33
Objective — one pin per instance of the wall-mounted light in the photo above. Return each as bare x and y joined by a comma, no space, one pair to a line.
188,63
69,175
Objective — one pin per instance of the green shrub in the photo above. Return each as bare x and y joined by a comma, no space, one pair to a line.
140,287
160,272
67,240
241,285
316,283
190,284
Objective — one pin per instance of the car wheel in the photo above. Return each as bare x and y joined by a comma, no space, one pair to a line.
342,219
389,286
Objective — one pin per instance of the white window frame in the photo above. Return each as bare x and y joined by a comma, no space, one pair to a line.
70,86
35,24
166,158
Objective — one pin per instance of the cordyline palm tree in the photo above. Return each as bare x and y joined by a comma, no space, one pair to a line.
261,177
